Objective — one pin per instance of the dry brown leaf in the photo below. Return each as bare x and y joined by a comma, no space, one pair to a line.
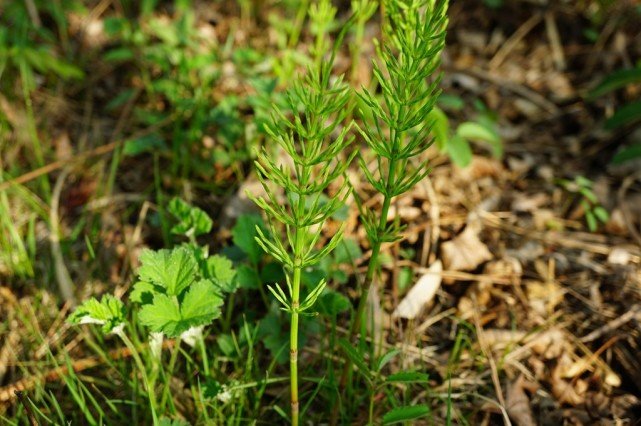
507,267
550,344
517,165
517,404
544,297
545,219
567,392
407,213
477,296
480,167
499,339
465,252
529,202
421,293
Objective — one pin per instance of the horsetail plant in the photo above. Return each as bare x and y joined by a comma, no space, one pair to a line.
314,144
413,38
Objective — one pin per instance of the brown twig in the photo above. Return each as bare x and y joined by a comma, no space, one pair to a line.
27,383
554,238
514,39
633,313
48,168
101,150
513,87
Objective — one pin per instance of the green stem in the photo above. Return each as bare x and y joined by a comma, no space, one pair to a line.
293,332
203,354
141,368
367,284
229,312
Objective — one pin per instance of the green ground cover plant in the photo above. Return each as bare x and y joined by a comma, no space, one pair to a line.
181,290
457,143
270,212
309,144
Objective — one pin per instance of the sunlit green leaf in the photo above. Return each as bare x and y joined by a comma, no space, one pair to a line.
172,269
191,220
108,312
405,414
459,150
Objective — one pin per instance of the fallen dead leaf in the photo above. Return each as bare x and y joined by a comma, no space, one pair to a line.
616,223
529,202
499,339
477,296
507,267
565,391
421,293
407,213
619,256
517,404
550,344
544,296
480,167
465,252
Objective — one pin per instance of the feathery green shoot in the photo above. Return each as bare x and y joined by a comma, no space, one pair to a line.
399,130
314,143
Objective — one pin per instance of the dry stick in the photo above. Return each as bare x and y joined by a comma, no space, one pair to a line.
494,371
554,238
27,383
514,39
48,168
633,313
103,149
513,87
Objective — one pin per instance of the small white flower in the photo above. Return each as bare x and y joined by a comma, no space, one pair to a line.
193,335
224,395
